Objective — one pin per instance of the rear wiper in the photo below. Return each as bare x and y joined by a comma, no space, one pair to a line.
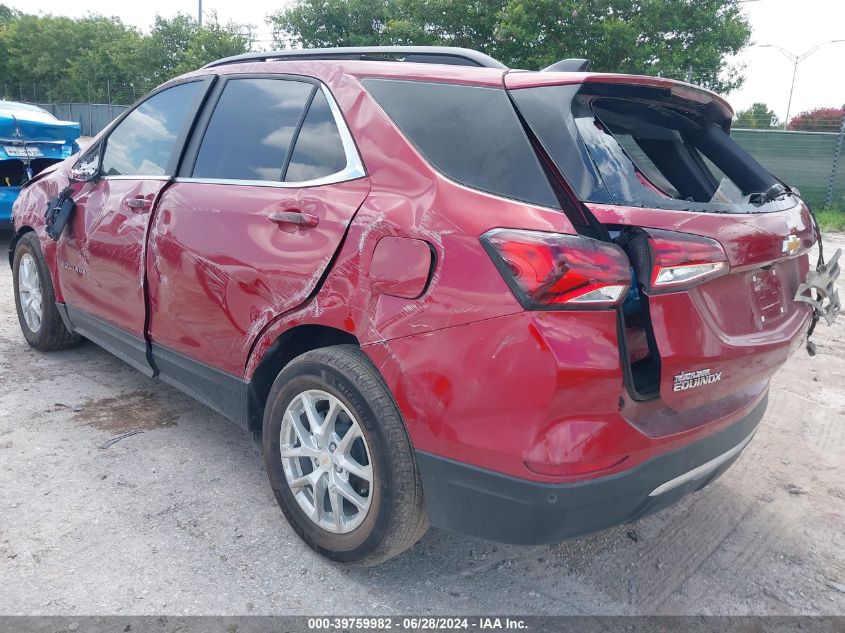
776,191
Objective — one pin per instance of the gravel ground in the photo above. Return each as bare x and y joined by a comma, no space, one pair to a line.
180,519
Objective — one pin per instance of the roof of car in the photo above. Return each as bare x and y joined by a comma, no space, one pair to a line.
360,63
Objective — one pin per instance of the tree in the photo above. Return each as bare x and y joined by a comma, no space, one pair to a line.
214,41
50,56
7,13
757,117
322,23
818,120
178,45
97,58
686,39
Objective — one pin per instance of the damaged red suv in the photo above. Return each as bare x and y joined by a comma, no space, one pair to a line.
518,305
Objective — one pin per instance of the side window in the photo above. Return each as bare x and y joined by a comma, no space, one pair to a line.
250,132
470,134
319,149
143,143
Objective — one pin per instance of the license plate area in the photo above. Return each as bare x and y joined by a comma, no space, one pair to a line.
768,298
16,151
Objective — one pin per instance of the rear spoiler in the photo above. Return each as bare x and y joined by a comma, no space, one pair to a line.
703,99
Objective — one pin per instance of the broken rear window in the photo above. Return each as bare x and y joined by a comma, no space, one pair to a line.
647,153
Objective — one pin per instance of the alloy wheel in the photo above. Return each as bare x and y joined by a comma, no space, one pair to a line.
29,292
326,461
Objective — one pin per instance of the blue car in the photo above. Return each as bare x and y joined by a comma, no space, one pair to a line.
31,139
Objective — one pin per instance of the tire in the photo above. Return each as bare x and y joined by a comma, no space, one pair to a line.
342,379
33,284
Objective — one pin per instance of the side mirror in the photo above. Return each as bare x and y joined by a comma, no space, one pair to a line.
84,172
86,168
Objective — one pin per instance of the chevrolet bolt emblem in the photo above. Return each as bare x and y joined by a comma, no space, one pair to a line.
791,244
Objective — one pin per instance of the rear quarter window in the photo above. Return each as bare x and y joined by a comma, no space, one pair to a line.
470,134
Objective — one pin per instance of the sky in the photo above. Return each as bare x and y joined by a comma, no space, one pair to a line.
796,25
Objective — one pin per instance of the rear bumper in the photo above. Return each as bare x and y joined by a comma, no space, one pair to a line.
478,502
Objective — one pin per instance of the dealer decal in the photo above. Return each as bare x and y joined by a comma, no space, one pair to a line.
691,379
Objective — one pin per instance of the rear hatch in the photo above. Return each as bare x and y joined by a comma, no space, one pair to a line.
717,245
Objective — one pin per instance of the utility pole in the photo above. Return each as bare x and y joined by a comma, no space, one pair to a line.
796,59
791,90
199,13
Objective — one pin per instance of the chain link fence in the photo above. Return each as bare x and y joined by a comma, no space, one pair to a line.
93,105
108,92
811,161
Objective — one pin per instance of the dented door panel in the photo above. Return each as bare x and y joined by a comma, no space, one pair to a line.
100,263
411,199
221,268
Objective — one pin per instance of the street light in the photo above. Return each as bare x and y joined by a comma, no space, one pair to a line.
796,59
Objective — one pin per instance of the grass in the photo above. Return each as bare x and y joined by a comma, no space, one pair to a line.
831,219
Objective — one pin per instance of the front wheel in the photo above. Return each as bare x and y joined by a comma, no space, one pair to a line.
35,299
339,458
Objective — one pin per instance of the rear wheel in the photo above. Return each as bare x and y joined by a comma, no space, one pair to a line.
35,299
339,459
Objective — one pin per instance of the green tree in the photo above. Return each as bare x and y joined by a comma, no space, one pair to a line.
685,39
97,58
179,45
323,23
214,41
757,117
163,50
56,58
7,13
471,23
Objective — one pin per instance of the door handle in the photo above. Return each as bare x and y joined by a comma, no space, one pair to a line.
138,203
305,220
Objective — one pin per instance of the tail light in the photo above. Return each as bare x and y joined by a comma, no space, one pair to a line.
553,271
680,260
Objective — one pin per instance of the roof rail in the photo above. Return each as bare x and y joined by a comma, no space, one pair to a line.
419,54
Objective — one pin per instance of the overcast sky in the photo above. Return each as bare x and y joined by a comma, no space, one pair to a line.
797,25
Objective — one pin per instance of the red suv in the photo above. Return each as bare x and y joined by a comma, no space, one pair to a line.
518,305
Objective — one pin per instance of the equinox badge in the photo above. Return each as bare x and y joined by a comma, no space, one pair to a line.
690,379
